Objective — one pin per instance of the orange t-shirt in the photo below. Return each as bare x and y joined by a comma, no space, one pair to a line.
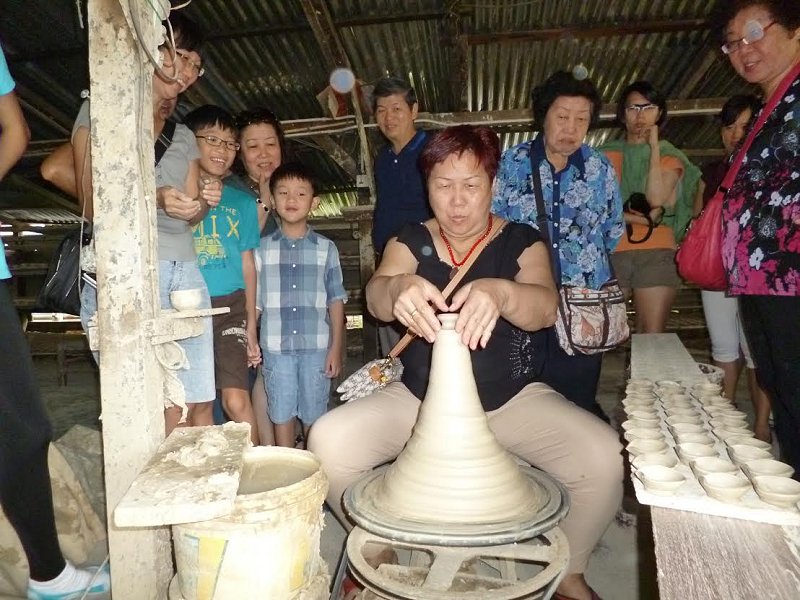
662,238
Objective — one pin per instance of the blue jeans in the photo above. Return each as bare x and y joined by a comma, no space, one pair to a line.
296,386
198,379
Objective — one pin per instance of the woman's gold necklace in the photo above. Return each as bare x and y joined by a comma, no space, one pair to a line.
457,264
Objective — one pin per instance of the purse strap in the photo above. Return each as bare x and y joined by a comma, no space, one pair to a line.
776,96
164,140
462,270
541,218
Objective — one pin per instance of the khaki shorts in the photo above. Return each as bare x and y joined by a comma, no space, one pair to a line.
230,342
645,268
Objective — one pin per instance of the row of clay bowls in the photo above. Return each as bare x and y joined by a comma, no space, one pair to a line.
709,435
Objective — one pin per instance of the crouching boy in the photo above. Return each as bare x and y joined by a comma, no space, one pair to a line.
301,296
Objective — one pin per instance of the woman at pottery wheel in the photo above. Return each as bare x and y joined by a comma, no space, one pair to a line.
507,294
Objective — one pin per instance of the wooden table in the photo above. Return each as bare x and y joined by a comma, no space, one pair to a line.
702,556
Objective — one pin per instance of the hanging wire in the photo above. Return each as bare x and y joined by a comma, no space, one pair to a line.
144,46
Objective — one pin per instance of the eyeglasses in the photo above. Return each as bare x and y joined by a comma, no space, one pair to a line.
638,108
257,116
213,140
754,31
197,66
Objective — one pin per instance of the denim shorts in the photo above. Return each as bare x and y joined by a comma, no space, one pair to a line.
296,386
198,379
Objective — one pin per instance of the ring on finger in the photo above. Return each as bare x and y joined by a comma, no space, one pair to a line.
413,312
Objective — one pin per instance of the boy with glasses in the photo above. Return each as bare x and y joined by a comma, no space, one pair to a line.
224,241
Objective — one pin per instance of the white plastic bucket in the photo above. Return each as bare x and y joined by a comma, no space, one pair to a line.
268,547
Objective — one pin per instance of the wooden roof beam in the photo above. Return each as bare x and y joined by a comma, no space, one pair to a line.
458,55
587,31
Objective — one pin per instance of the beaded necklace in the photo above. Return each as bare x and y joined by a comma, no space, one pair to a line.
253,185
457,264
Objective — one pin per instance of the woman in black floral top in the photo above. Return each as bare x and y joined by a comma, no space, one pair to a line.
761,214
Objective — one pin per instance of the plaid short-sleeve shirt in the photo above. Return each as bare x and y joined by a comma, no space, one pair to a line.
297,280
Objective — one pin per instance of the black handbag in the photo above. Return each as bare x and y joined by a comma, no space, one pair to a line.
61,291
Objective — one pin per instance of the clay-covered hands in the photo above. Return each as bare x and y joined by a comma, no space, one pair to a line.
211,190
177,204
478,304
417,301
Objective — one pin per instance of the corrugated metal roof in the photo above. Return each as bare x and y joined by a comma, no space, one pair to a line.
264,52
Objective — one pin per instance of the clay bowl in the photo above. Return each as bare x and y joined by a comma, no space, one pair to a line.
666,384
670,392
715,411
668,459
766,466
689,452
636,403
731,414
743,440
712,464
641,383
683,412
186,299
638,447
726,432
686,427
723,422
676,400
660,480
716,401
706,388
648,416
640,395
694,438
643,434
741,454
725,487
639,424
673,420
779,491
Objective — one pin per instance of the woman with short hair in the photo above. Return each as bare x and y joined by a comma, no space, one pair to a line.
761,211
506,298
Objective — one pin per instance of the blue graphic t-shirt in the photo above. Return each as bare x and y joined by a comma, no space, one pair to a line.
219,240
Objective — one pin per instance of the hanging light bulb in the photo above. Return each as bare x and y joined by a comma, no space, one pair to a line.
580,72
342,80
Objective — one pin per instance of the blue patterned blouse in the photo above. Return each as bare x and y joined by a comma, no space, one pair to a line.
585,197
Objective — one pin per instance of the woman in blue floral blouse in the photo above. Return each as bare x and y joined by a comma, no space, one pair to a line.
582,199
761,212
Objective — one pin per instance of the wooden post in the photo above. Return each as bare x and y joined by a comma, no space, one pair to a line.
131,381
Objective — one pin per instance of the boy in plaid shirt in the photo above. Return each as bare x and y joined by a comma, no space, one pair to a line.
301,297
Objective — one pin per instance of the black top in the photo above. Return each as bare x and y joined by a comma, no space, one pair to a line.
713,174
512,358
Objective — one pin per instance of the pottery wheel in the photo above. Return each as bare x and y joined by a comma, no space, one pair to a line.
359,503
441,574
